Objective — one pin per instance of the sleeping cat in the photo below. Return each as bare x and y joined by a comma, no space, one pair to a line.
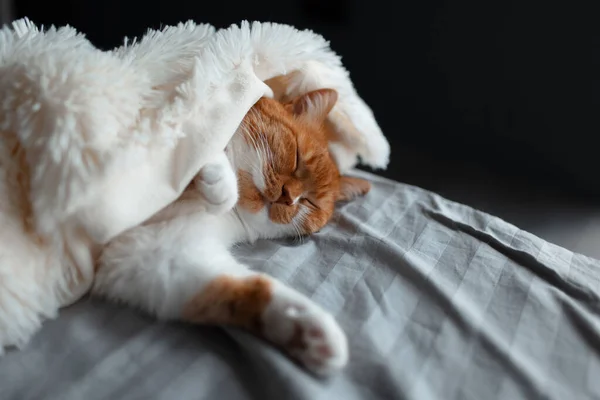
275,179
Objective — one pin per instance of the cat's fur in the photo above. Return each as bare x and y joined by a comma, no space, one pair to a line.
275,179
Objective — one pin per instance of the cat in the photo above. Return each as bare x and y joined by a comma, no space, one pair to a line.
276,178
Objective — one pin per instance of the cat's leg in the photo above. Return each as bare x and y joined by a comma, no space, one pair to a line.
204,284
217,183
273,311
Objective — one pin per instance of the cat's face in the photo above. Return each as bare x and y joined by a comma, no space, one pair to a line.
294,178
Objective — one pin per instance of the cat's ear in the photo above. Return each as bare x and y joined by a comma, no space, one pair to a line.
350,188
315,105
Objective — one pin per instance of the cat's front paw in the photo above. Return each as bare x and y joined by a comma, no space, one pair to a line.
218,185
318,341
310,335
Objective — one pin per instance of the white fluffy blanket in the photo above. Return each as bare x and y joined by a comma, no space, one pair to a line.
93,143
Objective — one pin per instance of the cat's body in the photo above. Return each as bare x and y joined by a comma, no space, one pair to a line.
275,179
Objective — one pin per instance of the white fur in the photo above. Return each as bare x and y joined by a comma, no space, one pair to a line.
160,266
290,311
111,138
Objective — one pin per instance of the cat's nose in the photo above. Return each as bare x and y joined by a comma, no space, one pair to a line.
286,197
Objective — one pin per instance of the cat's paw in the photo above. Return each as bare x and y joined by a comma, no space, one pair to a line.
310,335
217,183
318,342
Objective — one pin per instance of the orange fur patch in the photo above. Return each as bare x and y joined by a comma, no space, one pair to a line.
351,188
317,220
231,301
282,214
300,170
249,197
331,132
300,167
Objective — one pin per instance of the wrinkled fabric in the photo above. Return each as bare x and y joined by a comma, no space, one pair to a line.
439,301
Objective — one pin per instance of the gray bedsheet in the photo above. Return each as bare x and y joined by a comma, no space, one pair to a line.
439,301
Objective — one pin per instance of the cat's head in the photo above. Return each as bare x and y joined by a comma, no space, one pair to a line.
293,177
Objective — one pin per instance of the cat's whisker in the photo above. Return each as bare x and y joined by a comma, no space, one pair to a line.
263,139
248,134
298,220
299,236
257,144
265,148
259,148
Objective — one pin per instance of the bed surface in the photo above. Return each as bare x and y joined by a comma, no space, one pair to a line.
439,302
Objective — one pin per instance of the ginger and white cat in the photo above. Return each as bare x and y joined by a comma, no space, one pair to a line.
177,265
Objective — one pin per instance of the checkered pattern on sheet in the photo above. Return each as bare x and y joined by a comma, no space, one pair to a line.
439,302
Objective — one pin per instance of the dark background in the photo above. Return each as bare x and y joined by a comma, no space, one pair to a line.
490,103
499,83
